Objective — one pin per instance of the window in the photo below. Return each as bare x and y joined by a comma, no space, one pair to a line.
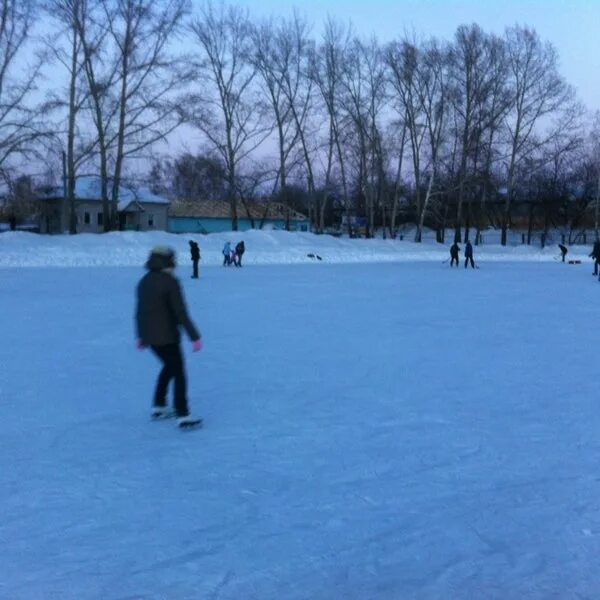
87,218
150,220
100,218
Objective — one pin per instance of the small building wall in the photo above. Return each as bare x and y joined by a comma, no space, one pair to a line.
153,217
90,218
220,225
55,214
54,217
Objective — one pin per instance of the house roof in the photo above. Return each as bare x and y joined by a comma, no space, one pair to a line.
88,188
215,209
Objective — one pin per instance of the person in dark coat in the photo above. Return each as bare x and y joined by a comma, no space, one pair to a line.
595,254
195,254
240,248
160,313
454,250
469,255
563,251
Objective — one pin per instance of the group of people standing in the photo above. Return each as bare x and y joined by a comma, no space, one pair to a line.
455,250
230,257
233,257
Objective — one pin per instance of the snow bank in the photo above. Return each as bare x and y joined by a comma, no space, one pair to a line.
21,249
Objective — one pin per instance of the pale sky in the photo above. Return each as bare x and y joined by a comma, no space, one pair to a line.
572,26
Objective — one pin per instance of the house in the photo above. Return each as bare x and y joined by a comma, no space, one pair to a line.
139,209
213,216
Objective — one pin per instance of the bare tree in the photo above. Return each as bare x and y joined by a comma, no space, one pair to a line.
472,82
432,93
298,89
326,68
403,59
20,118
100,76
594,139
538,92
363,97
227,109
274,58
67,13
399,144
497,103
147,76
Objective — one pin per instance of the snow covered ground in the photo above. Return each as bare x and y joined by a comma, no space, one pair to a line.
119,249
388,430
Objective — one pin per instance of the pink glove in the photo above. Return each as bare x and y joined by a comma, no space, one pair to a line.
196,345
140,345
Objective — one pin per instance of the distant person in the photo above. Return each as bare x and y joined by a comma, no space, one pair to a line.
195,254
595,254
469,255
454,251
240,248
227,254
160,312
563,251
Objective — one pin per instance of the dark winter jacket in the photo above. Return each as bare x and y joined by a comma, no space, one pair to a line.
240,248
161,308
595,253
468,250
454,250
563,249
194,251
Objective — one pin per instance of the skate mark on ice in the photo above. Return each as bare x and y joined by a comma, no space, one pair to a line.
219,587
496,546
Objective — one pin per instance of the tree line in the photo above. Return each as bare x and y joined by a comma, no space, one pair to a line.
480,129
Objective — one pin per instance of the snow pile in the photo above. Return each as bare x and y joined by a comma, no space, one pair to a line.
21,249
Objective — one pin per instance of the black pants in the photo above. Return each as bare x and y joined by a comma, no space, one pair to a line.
195,265
172,359
467,259
239,260
596,262
453,260
226,259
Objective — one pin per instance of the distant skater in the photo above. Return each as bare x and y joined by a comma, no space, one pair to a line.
195,254
595,254
227,254
469,255
160,313
454,251
240,248
563,251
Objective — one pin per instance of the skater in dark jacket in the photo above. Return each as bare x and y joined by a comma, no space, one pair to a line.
563,251
240,248
454,250
160,312
595,254
195,254
469,255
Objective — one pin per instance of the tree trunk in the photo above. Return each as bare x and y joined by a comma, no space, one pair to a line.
70,158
